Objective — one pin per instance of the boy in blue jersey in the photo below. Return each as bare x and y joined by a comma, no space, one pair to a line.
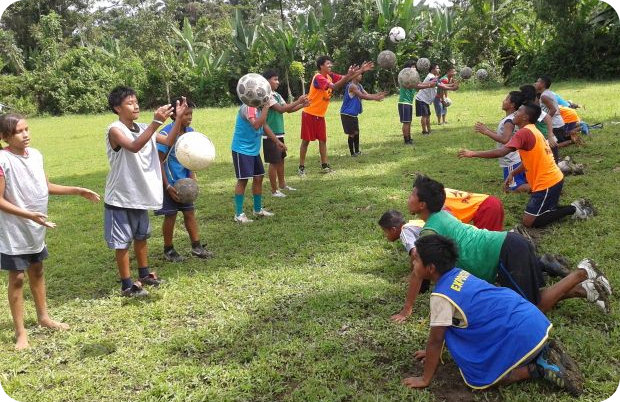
172,171
351,108
494,335
246,142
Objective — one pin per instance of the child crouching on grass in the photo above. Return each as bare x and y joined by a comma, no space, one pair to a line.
495,336
24,193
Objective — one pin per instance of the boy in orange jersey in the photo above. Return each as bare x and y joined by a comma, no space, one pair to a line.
545,178
323,84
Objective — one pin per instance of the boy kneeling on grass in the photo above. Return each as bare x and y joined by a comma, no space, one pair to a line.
494,335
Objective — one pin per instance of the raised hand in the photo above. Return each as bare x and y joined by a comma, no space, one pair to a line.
479,127
367,66
163,113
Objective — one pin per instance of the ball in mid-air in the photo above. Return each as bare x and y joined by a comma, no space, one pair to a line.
386,59
397,34
408,77
195,151
253,90
482,74
187,190
466,72
423,64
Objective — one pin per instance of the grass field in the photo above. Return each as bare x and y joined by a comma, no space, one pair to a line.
295,307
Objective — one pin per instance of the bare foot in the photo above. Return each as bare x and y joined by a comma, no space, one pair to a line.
22,342
49,323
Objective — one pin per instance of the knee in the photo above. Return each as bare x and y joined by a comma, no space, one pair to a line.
16,280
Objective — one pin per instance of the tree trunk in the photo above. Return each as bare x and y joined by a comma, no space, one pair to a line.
288,86
168,91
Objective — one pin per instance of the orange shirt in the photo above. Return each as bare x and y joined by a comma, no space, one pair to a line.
319,97
540,168
569,115
463,205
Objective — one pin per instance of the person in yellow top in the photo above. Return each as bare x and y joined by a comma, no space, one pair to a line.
322,87
543,175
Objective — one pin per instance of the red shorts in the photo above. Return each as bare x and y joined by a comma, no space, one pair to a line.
313,127
490,215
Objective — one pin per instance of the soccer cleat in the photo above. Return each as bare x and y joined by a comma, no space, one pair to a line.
263,212
583,209
201,252
595,294
172,256
136,290
301,171
242,218
595,274
553,266
557,367
288,188
278,194
151,279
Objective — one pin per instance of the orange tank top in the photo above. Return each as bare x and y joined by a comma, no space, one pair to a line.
540,168
463,205
569,115
319,98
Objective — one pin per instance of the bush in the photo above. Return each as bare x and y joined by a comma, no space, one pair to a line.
14,93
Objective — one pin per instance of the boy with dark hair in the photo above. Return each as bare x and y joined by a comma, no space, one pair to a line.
172,171
134,184
493,334
352,107
542,173
322,86
549,104
275,120
441,107
405,103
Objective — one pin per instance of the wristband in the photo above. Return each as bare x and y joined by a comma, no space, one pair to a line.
158,121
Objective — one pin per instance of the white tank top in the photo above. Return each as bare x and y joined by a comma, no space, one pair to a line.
134,180
556,119
25,187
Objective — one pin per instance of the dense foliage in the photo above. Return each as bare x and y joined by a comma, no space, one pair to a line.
63,56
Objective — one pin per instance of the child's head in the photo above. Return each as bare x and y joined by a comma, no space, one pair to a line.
186,119
434,256
271,75
427,195
513,100
528,92
434,69
542,83
528,113
324,64
357,79
410,63
14,130
392,222
451,71
122,101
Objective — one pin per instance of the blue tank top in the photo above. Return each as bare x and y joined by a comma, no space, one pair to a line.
246,139
351,104
500,331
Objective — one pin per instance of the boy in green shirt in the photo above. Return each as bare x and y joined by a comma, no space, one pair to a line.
405,104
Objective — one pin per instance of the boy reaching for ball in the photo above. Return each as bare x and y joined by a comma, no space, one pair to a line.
406,96
134,184
172,171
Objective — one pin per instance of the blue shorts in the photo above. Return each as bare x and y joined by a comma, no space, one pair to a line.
517,180
440,109
544,200
171,207
405,111
21,262
124,225
247,166
422,109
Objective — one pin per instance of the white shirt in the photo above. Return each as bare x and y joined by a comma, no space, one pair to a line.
513,157
556,119
134,180
427,95
408,236
25,187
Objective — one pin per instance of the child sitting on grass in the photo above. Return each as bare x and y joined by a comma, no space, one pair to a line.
495,336
24,193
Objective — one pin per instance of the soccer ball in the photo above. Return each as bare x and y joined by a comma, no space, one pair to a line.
482,74
386,59
466,72
397,34
254,90
195,151
447,101
408,77
187,190
423,64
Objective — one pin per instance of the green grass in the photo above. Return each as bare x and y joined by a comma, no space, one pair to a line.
295,307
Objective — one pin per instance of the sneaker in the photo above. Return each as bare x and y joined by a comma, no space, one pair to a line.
301,171
564,167
242,218
201,252
288,188
151,280
358,153
583,209
172,256
278,194
136,290
553,266
595,294
409,141
355,155
557,367
325,168
595,274
263,212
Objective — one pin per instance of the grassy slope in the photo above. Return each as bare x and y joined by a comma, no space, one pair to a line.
297,306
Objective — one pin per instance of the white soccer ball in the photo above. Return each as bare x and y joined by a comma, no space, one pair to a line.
194,150
447,101
408,77
482,74
466,72
423,64
254,90
397,34
386,59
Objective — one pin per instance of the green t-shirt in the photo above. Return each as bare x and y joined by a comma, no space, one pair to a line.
406,95
275,119
542,127
479,249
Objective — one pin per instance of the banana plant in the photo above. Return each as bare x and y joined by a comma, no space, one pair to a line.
284,41
187,40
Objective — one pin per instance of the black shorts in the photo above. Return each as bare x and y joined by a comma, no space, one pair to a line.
350,124
247,166
422,108
171,207
519,269
544,200
405,112
21,262
561,134
272,153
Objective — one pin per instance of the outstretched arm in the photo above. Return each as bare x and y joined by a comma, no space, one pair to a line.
430,356
117,138
365,95
490,154
57,189
301,102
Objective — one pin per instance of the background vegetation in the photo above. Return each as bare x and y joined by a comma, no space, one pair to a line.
63,56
